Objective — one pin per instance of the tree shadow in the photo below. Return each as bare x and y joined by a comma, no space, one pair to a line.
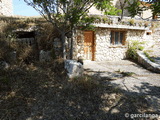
42,91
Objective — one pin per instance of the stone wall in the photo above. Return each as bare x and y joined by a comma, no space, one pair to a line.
6,7
144,61
156,35
104,50
79,42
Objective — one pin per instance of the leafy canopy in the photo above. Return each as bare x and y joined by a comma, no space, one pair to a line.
107,7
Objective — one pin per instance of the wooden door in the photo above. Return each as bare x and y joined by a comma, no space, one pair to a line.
89,45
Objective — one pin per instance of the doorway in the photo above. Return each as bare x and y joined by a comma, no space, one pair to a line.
89,45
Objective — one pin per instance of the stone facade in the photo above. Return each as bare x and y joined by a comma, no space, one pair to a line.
6,7
104,50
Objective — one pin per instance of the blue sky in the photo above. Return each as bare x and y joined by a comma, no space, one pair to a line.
21,8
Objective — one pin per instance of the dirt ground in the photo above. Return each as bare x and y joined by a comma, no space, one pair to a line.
43,92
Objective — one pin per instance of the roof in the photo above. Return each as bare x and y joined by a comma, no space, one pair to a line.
121,27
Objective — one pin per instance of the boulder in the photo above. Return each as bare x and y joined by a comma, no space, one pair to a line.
74,68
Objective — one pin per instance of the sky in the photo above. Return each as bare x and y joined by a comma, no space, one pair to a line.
21,8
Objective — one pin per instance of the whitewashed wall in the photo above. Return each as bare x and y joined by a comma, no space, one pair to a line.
6,7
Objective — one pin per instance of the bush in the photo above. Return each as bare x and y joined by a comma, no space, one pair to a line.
47,34
148,56
25,53
131,22
133,47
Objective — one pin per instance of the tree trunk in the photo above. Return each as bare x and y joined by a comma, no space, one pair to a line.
63,45
154,17
72,39
122,14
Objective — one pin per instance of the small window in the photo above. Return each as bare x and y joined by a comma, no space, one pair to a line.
117,37
148,33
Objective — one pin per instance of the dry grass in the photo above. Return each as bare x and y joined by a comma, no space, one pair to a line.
42,91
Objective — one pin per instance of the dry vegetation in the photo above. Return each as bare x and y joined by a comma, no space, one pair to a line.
42,91
45,35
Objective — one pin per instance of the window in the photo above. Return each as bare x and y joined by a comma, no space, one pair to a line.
118,37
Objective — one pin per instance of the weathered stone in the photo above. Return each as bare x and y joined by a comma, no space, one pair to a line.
142,59
13,56
45,56
74,68
4,65
104,50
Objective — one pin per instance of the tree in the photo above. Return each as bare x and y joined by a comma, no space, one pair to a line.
65,15
107,7
122,6
136,7
133,8
155,7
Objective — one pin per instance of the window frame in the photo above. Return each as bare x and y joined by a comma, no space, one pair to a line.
120,41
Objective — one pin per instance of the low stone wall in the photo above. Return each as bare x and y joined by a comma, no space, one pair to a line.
143,60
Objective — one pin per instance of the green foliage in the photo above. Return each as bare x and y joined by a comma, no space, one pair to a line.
107,7
133,7
133,47
86,23
64,15
131,21
126,74
141,48
155,7
148,56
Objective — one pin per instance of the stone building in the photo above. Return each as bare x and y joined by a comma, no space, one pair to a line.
6,7
109,42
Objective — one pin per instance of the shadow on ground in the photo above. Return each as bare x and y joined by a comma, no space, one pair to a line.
45,93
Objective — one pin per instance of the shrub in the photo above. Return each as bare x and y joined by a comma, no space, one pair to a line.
25,53
126,74
131,21
148,56
133,47
5,50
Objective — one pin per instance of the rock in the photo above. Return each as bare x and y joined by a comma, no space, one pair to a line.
80,60
74,68
4,65
115,111
13,56
45,56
